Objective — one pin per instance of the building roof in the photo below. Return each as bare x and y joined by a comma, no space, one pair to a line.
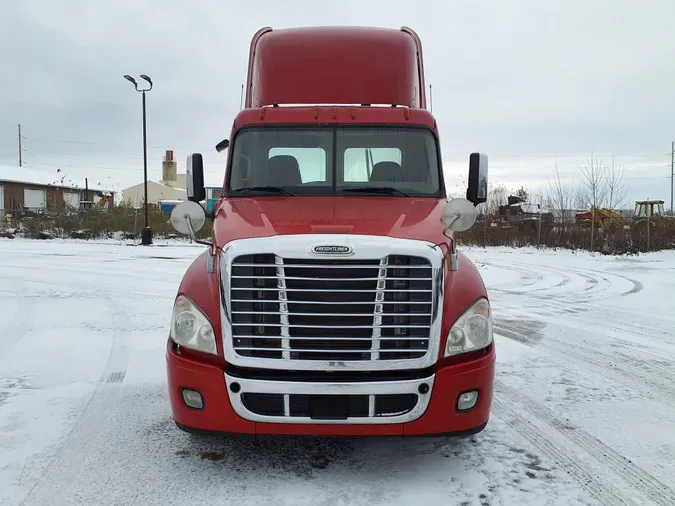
155,183
38,177
215,182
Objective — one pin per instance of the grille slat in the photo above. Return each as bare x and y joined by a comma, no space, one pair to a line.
343,338
284,325
324,266
323,302
341,350
286,289
327,314
304,278
324,309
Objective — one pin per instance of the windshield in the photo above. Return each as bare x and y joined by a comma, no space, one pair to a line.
381,161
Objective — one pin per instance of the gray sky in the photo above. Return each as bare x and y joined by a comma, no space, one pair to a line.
523,81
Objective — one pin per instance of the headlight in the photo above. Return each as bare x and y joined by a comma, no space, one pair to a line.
472,331
191,328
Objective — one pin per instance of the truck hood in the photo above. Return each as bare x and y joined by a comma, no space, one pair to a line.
406,218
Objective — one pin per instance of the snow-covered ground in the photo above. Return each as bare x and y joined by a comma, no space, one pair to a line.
584,410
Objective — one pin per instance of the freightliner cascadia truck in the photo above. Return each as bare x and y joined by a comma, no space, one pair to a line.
331,298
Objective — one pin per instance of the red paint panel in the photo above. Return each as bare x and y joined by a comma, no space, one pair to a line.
209,380
439,418
334,65
406,218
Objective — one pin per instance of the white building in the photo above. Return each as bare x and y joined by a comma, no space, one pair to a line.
171,187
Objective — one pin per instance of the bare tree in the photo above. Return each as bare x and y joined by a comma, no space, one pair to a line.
593,187
560,196
497,196
616,186
593,181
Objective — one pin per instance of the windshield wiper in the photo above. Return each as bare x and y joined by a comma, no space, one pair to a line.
377,189
266,189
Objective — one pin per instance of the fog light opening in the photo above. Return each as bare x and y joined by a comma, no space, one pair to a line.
467,400
193,399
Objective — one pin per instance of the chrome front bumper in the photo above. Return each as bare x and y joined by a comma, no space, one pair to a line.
421,388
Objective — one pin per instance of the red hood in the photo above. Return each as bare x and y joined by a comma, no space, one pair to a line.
406,218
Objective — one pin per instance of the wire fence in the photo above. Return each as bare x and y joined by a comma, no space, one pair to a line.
124,220
633,235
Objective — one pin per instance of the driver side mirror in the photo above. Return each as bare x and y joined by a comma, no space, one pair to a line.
194,178
477,191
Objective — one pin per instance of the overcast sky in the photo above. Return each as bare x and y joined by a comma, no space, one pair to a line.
524,81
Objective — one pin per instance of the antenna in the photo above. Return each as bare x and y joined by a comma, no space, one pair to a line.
431,100
241,98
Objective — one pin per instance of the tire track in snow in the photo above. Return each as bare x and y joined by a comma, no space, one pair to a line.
606,320
601,363
632,474
592,277
18,327
52,485
530,277
95,290
605,493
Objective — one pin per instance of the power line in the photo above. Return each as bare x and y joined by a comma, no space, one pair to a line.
98,167
504,176
449,154
98,143
106,157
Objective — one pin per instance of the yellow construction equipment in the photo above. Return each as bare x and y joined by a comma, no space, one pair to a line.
604,218
645,208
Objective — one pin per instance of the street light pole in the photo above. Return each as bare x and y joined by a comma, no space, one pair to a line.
146,233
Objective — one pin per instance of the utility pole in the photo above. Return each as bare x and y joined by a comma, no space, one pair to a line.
21,150
672,171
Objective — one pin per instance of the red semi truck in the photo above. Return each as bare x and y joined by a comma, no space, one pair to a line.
331,298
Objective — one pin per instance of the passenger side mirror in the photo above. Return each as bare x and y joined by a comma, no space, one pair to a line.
459,215
188,218
195,178
222,145
477,191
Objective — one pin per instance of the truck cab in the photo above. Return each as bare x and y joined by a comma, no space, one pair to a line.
331,298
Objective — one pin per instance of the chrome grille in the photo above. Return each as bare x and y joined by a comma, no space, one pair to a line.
328,309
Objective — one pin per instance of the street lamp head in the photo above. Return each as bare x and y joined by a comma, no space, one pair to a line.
131,79
143,76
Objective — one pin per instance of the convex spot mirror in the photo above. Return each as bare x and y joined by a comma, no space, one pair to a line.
188,218
459,215
477,190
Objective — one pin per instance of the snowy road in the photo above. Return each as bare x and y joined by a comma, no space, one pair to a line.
584,410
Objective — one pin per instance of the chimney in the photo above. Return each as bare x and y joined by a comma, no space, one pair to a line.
169,167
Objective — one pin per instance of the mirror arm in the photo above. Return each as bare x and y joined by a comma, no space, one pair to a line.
210,264
193,236
454,263
457,216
